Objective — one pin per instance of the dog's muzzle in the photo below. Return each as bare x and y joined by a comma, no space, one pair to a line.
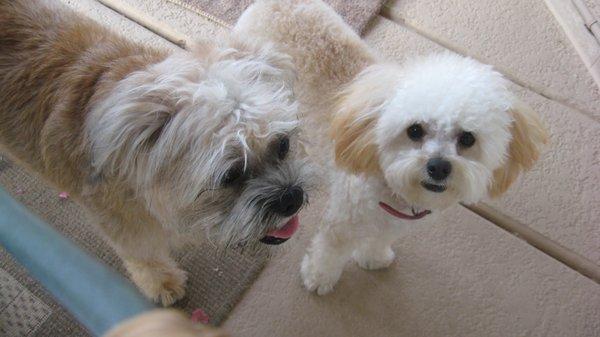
289,201
288,204
438,170
282,234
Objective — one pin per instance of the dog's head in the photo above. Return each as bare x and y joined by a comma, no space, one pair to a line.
438,131
209,140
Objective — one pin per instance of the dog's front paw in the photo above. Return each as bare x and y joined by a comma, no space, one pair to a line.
372,259
169,288
163,284
317,277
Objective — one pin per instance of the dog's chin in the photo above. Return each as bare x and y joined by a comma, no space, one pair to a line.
426,195
435,188
283,233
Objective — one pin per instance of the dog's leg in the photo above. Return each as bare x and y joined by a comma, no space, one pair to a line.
145,252
322,266
160,279
375,253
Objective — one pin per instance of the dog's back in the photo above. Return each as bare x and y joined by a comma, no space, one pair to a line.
39,44
52,63
327,52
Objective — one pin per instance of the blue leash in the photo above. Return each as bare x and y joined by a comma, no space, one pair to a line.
97,296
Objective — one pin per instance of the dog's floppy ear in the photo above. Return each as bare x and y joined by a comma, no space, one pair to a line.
354,123
125,126
528,135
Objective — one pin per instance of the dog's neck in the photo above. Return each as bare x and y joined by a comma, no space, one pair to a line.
376,189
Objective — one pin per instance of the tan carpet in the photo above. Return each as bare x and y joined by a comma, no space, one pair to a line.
216,281
357,13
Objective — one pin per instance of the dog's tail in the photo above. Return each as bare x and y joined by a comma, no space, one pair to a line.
325,49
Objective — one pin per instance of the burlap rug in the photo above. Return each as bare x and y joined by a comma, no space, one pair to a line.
216,281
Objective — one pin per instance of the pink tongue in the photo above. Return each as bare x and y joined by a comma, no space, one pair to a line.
287,230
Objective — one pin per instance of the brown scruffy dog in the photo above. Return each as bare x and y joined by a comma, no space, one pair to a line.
157,146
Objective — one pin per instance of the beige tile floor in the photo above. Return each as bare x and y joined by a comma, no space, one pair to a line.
460,276
519,37
594,7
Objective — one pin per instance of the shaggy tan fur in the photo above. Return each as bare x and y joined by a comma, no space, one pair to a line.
137,135
53,65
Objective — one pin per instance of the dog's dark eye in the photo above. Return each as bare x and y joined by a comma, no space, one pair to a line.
283,147
232,175
415,132
466,139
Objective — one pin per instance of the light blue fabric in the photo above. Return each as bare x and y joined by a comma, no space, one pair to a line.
97,296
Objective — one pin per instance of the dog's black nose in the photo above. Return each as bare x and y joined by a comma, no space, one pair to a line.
438,168
289,202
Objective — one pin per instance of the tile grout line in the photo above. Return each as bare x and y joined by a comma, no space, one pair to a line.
569,258
581,28
152,24
564,255
388,13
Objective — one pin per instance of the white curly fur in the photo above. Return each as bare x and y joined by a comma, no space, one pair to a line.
376,160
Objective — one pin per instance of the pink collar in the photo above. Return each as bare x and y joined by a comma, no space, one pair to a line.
398,214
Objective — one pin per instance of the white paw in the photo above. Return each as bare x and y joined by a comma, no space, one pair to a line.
163,284
316,278
374,259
